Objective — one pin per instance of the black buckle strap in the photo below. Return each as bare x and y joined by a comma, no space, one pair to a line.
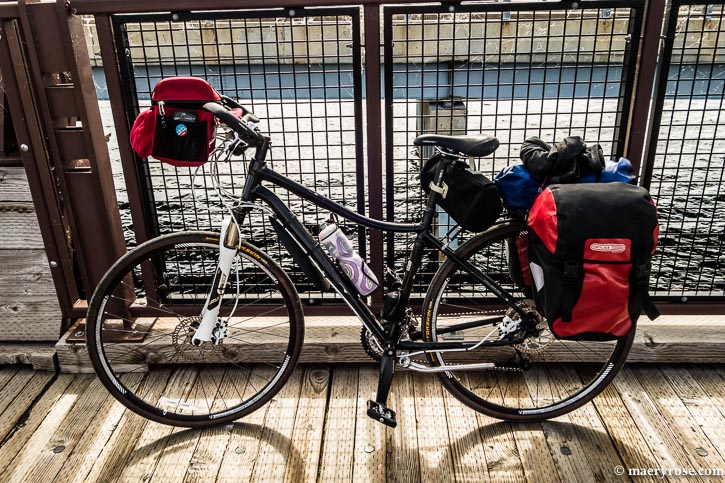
571,271
648,305
571,276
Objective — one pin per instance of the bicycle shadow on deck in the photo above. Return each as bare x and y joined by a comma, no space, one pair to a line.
499,449
507,450
243,440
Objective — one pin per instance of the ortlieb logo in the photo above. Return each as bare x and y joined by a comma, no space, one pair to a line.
608,247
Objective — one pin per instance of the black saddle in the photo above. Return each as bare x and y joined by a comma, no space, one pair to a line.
476,146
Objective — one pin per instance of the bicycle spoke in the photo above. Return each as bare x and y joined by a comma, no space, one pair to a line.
207,378
518,380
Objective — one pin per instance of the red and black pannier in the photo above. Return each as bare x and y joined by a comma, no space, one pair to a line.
518,261
589,253
176,129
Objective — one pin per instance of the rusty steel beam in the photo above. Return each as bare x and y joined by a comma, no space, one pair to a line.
371,16
93,194
65,90
29,131
332,309
141,6
9,10
120,111
11,161
647,72
691,308
120,121
43,18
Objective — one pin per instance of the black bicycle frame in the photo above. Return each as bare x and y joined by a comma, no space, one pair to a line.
253,190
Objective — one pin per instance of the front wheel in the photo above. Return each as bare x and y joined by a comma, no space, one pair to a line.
539,378
143,315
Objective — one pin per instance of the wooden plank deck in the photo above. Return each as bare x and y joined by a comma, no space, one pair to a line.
29,308
67,428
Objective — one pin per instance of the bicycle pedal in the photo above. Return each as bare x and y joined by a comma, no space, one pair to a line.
382,414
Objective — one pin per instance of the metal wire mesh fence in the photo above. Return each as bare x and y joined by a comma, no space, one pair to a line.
514,70
688,152
298,70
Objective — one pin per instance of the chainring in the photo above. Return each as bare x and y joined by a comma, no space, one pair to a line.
373,347
370,343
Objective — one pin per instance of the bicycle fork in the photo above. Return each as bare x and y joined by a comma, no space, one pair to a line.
209,329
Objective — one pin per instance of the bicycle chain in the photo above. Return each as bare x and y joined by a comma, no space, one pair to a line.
375,354
519,347
475,312
504,369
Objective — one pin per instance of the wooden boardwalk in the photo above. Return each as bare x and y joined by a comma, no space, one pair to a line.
67,428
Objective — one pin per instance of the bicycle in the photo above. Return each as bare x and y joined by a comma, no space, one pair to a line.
165,338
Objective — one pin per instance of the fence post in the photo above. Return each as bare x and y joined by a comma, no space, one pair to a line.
59,62
640,129
371,15
121,116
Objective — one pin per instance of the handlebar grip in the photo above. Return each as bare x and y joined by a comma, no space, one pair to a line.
248,114
221,112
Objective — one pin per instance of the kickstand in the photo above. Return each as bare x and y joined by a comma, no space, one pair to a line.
377,409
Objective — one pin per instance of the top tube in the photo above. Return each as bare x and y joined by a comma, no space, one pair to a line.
278,179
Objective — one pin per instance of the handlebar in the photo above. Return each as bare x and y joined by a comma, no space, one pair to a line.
248,135
248,115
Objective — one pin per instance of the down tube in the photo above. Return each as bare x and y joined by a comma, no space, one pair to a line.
314,251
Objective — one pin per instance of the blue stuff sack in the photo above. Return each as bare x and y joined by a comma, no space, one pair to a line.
516,186
519,190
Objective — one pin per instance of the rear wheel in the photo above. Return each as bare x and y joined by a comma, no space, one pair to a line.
144,313
540,378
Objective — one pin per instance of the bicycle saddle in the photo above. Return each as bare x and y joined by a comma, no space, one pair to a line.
477,146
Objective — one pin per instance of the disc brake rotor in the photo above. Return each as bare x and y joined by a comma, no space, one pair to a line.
181,340
540,338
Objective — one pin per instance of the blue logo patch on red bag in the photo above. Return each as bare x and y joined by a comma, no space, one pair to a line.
181,130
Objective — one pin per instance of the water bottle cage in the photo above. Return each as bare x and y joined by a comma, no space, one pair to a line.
393,281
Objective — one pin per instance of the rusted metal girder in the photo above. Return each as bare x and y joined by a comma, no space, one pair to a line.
36,160
120,121
9,10
373,99
141,6
636,143
65,94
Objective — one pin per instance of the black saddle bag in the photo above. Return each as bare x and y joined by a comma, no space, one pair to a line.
469,197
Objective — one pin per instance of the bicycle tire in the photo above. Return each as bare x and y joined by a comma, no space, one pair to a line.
539,390
180,377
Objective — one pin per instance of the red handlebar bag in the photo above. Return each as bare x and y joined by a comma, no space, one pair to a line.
176,129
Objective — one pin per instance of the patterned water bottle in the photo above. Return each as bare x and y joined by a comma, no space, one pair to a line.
339,247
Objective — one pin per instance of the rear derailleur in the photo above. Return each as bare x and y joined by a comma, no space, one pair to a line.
534,330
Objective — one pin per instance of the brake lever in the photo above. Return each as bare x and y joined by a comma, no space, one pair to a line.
250,118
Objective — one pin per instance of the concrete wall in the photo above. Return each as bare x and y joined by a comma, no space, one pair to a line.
542,37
